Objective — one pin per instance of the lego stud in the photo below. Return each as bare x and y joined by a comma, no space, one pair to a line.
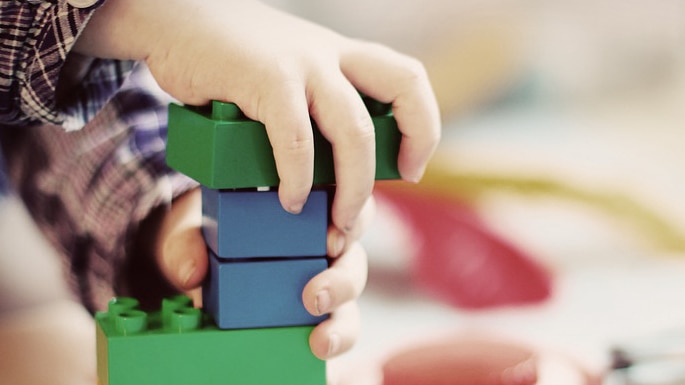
185,320
226,111
170,305
130,322
121,304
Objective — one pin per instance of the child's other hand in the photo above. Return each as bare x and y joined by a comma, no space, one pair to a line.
180,248
182,255
279,70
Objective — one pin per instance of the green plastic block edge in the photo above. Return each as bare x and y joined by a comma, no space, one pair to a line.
221,149
201,354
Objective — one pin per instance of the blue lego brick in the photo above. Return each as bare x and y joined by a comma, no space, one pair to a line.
253,224
256,293
180,345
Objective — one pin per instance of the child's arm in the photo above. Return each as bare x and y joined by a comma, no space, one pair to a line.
280,70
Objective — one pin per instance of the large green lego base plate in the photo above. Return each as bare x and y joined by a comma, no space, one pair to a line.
222,149
181,346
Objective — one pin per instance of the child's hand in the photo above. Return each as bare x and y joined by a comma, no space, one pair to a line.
279,70
335,290
182,255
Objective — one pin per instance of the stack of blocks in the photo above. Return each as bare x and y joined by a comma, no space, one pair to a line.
254,329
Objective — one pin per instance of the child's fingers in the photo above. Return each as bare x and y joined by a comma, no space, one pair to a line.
284,112
344,121
181,250
338,241
342,282
388,76
337,334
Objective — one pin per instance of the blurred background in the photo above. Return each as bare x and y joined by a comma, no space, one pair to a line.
553,215
562,165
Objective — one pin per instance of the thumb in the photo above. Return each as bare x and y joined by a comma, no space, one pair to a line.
183,259
181,250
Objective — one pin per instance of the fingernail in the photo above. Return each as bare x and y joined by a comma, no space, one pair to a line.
186,271
295,208
349,225
415,177
338,243
323,302
333,345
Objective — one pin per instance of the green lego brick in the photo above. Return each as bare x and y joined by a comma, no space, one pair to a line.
222,149
180,345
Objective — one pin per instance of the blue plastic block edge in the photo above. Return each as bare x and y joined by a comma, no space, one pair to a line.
253,224
259,293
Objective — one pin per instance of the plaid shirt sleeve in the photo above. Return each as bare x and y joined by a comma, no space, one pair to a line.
90,189
91,184
37,36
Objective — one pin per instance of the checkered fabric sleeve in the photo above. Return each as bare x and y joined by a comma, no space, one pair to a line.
88,160
37,37
90,190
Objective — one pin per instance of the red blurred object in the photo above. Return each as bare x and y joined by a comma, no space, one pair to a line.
463,361
459,259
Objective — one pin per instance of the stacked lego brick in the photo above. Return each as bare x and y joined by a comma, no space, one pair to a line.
254,329
181,345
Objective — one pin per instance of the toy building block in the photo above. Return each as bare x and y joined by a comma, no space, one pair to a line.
179,345
222,149
256,293
253,224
